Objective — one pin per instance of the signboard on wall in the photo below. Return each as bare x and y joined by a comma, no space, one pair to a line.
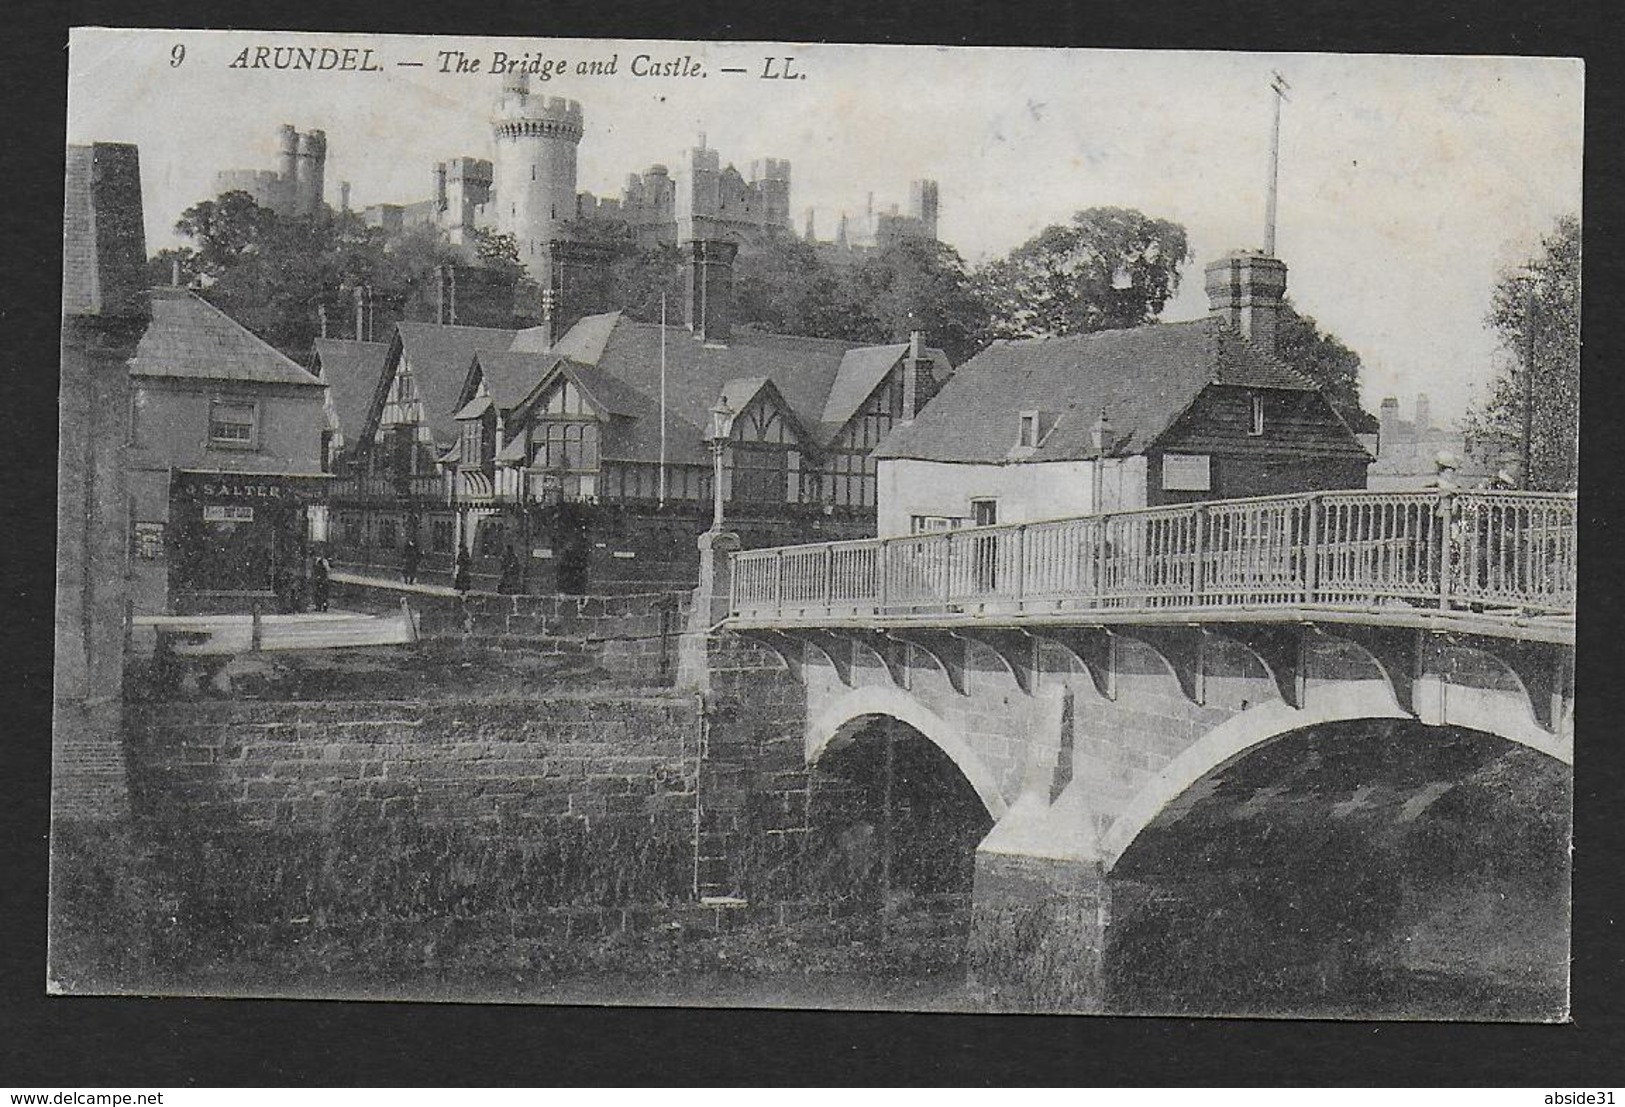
149,541
227,513
1187,473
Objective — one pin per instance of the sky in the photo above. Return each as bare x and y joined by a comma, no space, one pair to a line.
1407,183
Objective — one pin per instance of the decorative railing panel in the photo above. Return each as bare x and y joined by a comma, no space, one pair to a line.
1496,551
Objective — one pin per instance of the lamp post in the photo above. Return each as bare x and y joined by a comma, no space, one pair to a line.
1527,456
722,419
1100,437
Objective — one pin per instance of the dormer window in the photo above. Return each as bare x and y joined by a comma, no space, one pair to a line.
1027,435
1257,427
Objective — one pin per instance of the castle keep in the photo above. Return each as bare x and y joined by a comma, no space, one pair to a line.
295,186
529,190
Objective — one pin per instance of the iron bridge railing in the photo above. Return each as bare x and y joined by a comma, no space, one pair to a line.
1478,551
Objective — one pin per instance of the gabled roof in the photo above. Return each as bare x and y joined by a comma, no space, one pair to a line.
439,355
189,337
509,377
476,407
860,374
351,370
803,369
1143,377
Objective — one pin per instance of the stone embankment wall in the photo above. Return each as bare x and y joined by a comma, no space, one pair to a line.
384,844
393,832
633,637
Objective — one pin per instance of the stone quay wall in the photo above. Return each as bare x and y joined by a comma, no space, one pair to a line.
396,832
634,637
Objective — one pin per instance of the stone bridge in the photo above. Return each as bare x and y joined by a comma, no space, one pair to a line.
1096,681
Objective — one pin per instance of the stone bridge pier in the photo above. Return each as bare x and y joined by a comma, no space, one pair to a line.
1081,740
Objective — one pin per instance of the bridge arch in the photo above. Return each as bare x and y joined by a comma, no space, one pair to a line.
1266,722
859,705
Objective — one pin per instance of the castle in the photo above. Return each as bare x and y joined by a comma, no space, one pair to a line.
528,190
296,186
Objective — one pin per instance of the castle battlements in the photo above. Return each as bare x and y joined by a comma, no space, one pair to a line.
528,191
295,186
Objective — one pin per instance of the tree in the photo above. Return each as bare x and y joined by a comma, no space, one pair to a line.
498,251
922,285
275,275
1536,311
1326,361
226,229
1105,269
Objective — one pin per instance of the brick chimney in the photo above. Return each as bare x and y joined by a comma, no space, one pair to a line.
709,288
445,287
1245,291
919,385
1388,425
1424,414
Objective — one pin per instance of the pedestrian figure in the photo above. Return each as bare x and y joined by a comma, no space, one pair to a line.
1449,514
462,580
509,581
282,587
409,562
1444,473
319,569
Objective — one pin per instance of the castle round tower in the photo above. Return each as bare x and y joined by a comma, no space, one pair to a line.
534,172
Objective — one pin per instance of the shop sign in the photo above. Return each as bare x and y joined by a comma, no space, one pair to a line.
241,490
149,541
1186,473
227,513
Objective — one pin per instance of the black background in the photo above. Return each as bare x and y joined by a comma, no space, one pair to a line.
61,1043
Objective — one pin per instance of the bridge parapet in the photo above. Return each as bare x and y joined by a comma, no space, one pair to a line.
1493,558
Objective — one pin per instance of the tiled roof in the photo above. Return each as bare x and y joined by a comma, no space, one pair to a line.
190,337
696,371
476,407
1142,377
351,370
509,376
440,355
617,362
861,372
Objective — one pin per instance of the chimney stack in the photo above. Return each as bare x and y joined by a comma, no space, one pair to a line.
917,377
1245,291
321,318
709,289
1424,414
360,313
1388,425
445,280
550,301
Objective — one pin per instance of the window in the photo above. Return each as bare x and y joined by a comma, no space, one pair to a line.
440,535
985,512
231,425
1029,429
568,446
1258,416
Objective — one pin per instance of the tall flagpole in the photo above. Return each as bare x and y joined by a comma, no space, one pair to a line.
662,398
1278,86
